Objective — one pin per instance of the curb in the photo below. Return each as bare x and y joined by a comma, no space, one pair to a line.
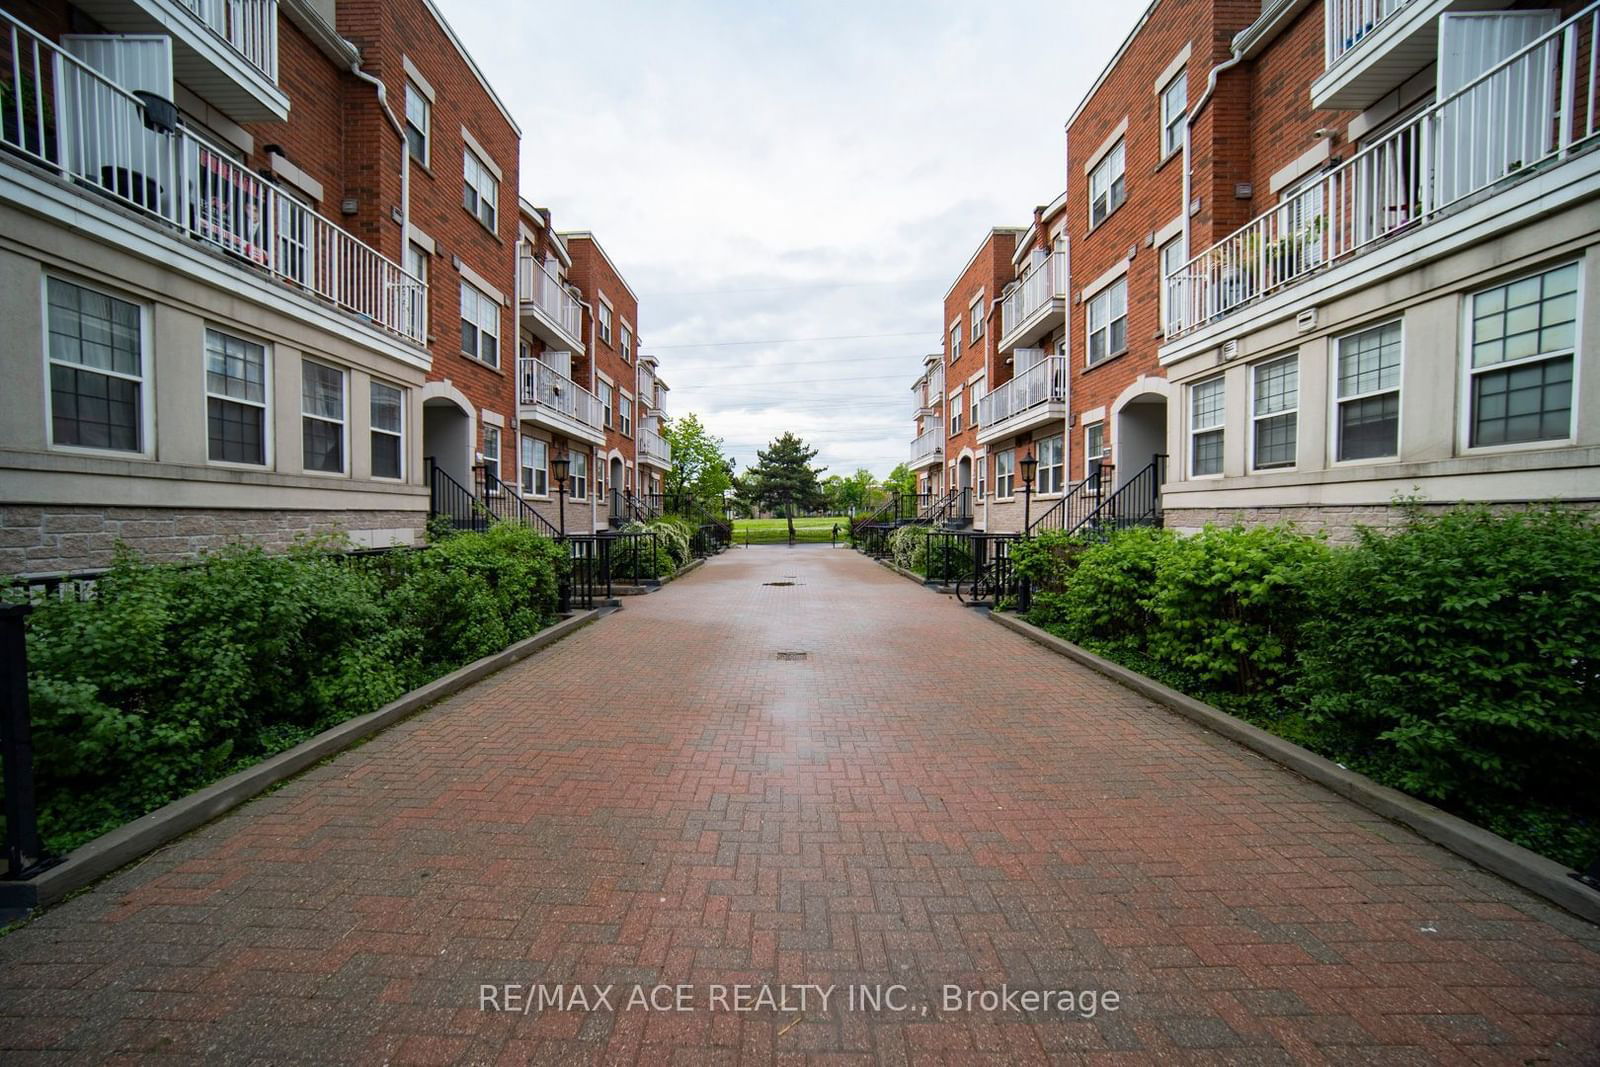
1521,866
692,565
913,576
93,860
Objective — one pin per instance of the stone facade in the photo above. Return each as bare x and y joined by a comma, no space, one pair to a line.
56,538
1339,522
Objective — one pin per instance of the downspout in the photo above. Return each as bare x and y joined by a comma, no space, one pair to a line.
1188,125
405,156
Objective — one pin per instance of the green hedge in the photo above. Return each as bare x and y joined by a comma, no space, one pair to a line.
171,677
1457,658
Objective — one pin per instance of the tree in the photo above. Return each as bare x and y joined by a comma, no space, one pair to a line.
902,480
783,477
848,495
700,471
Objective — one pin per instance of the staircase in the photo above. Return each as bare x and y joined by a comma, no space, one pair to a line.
1076,505
493,501
1089,510
953,511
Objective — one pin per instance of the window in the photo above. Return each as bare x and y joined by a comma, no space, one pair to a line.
579,475
956,407
1108,321
972,402
1275,403
419,113
388,431
236,399
626,346
605,322
1205,427
1367,419
417,262
491,453
1174,105
955,343
1524,336
480,190
322,417
480,326
975,317
1173,260
627,415
1005,473
96,369
605,404
1052,468
1095,446
1107,189
535,466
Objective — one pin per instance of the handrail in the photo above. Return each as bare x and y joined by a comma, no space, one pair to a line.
452,500
249,27
1349,22
1076,504
1521,112
1135,503
92,131
1043,383
542,385
538,287
929,443
1047,281
504,503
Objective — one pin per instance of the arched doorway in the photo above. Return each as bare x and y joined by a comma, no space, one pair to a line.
1139,428
448,431
614,475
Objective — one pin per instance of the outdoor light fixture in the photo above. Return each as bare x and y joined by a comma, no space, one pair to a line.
1029,465
560,469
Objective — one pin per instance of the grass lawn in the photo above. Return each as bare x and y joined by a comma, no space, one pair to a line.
807,528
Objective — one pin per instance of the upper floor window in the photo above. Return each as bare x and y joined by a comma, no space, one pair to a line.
1174,113
1520,359
605,404
480,189
1173,259
1107,189
419,117
1052,466
955,412
955,342
1368,395
1205,426
322,417
625,346
96,369
1108,321
236,399
1274,412
417,261
388,430
480,325
975,316
626,408
603,313
972,402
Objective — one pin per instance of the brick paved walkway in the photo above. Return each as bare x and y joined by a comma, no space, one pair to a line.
923,799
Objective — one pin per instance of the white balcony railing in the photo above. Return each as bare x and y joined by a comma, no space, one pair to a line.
1536,105
928,391
929,444
66,116
249,27
1349,22
537,286
541,385
654,447
1045,283
1043,383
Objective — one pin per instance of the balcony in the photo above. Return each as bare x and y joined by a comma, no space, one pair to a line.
549,310
226,51
653,449
549,398
1526,114
927,394
85,129
1035,396
928,449
1036,307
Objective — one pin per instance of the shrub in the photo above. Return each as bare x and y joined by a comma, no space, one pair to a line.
675,535
639,558
1459,659
908,547
1100,593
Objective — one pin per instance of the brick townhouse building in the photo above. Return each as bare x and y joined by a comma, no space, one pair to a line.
257,295
611,318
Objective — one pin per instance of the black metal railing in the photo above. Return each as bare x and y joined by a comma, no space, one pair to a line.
588,578
1077,504
1137,502
993,579
454,501
504,503
954,508
635,556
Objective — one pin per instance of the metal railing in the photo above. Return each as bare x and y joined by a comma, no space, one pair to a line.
1533,106
992,579
653,446
1045,283
249,27
1349,22
1137,502
929,444
1078,503
954,507
504,503
537,286
63,114
453,501
1043,383
541,385
928,392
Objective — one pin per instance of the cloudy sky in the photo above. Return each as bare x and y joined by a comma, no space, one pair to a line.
791,187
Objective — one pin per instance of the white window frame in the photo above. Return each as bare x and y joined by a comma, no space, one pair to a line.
1005,482
1089,452
1161,262
1104,180
1054,471
400,434
343,422
417,261
1193,432
625,341
415,95
954,408
144,378
975,318
1336,401
575,462
1172,123
1470,373
541,475
493,432
1104,301
603,318
1257,417
265,403
955,342
625,408
607,397
974,393
485,309
477,177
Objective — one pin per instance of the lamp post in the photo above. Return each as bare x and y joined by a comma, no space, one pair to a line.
560,469
1029,465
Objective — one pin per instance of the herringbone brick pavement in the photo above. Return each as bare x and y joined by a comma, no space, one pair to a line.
921,799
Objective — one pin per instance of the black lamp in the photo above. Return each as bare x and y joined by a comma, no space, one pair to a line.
1030,466
560,470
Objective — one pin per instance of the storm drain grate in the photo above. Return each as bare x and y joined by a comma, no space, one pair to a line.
780,583
793,655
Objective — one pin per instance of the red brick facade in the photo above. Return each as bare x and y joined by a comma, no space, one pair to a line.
602,286
987,273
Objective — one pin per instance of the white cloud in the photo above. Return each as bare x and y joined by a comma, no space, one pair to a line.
841,159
